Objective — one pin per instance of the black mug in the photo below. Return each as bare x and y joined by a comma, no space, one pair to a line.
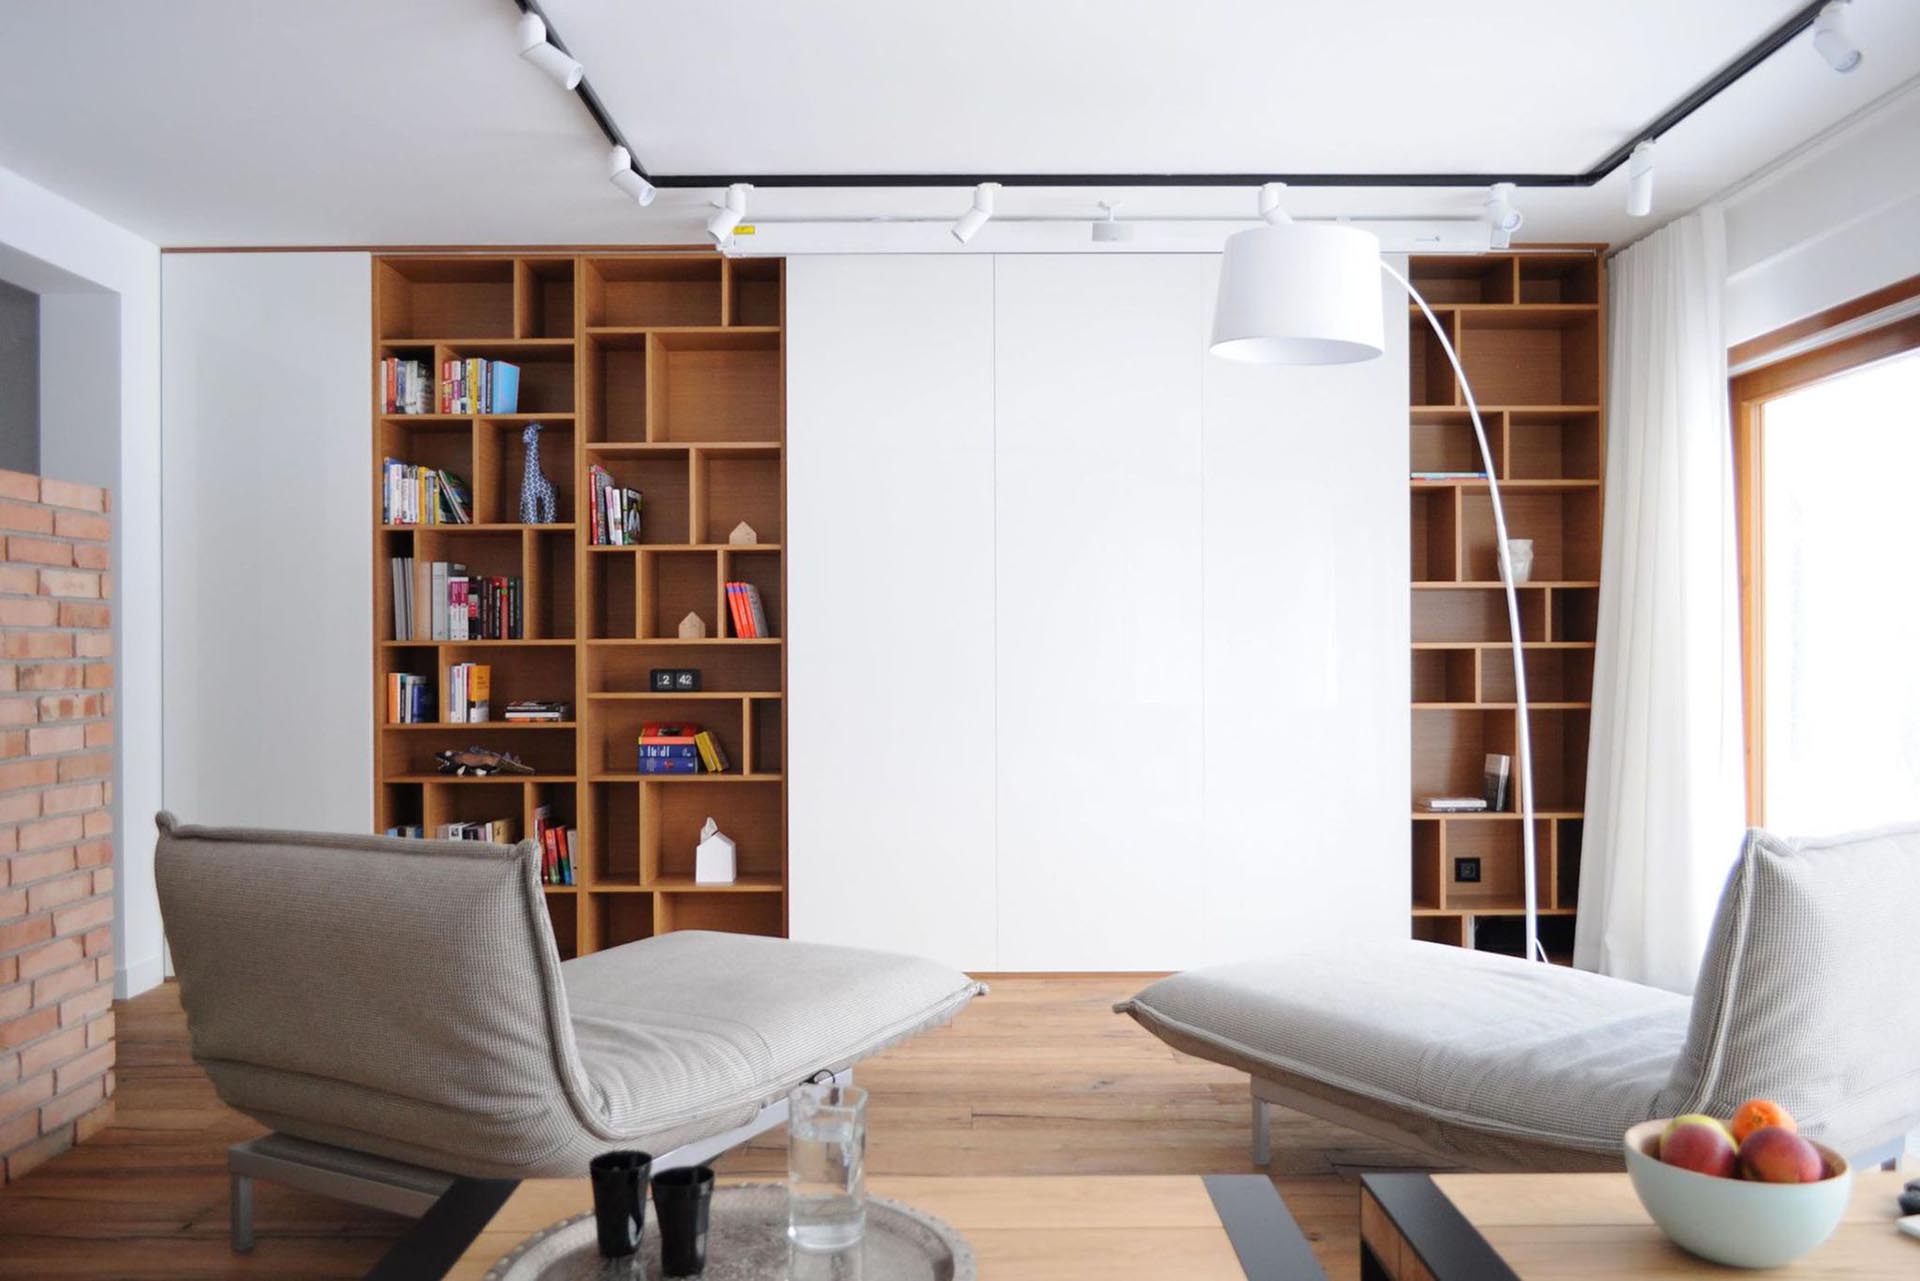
620,1200
683,1201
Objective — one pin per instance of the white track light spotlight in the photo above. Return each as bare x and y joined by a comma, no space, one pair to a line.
566,71
731,211
1640,179
1272,212
1110,230
1502,217
969,223
621,173
1830,38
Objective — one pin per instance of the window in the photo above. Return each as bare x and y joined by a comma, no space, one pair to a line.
1827,450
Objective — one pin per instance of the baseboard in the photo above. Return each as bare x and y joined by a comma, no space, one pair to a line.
138,976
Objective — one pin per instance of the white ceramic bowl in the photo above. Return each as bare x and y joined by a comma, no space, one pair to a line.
1731,1221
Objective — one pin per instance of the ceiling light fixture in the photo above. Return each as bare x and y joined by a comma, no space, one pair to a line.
1831,39
621,173
1272,212
1640,179
732,209
969,223
1502,217
1109,229
535,48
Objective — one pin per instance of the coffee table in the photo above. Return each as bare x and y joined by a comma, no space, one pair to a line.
1228,1227
1555,1227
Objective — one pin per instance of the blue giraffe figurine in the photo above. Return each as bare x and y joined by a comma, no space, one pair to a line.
536,491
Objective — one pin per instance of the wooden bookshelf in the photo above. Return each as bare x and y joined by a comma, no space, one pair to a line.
1530,328
667,370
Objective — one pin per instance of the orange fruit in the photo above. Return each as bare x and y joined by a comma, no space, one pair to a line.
1758,1114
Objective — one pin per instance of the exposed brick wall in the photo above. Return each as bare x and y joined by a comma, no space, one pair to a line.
56,832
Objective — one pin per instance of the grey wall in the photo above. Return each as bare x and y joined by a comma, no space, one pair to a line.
19,379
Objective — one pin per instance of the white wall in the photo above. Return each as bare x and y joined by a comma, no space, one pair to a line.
100,325
265,391
1169,625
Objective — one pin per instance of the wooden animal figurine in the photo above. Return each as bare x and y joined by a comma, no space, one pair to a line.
480,762
536,491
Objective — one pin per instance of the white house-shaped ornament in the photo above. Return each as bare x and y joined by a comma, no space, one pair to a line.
713,858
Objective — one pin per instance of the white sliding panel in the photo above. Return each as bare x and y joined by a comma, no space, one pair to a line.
1098,548
1306,671
890,583
266,387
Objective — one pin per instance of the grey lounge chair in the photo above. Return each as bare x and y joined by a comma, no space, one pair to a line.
1807,995
397,1013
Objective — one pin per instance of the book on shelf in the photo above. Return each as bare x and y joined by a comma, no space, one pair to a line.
749,613
712,755
535,710
613,512
458,606
669,747
1454,804
409,699
556,843
469,691
413,495
498,831
405,386
1449,475
475,386
1494,780
412,831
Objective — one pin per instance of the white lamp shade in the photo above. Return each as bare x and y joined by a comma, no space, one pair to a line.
1299,294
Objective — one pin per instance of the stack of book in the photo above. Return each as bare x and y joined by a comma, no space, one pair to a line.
614,513
457,606
409,699
675,747
405,387
412,831
1455,804
413,495
749,615
499,831
479,387
469,687
556,847
536,710
713,757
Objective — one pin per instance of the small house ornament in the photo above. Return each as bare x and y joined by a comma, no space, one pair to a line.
713,857
693,627
743,535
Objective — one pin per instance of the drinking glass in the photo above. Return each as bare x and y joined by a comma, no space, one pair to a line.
826,1166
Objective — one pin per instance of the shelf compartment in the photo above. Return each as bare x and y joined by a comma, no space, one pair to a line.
563,916
445,297
766,736
1476,615
1532,357
1553,676
549,752
614,856
1433,381
546,370
663,478
1450,930
1427,848
763,571
1559,758
398,805
739,485
1450,746
1502,883
1554,445
1459,279
1505,934
1444,675
653,292
675,583
1569,835
1564,527
1434,536
614,368
484,800
443,443
725,667
752,813
617,725
753,291
1575,614
714,387
728,913
622,918
499,468
1553,278
543,298
615,593
1443,440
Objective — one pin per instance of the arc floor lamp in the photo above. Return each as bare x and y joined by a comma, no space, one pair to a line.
1309,294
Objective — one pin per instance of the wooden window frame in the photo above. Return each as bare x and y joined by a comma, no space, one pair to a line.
1749,393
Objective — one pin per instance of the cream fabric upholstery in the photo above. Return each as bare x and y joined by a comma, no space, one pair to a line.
405,998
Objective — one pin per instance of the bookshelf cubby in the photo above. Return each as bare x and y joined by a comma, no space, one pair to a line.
1530,327
666,369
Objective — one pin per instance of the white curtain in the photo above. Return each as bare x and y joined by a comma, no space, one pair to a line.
1665,777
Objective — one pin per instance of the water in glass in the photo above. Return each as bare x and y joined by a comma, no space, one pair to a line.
826,1166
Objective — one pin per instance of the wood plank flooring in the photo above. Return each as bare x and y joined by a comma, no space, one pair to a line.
1040,1077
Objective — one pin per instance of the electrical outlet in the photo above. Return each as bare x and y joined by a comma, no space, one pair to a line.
1466,870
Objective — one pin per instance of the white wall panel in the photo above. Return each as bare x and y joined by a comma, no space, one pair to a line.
890,579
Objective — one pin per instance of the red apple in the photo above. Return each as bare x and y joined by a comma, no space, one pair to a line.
1701,1144
1775,1154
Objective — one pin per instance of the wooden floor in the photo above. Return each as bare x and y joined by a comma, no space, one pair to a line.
1037,1078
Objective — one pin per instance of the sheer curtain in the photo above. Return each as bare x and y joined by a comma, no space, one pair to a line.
1665,786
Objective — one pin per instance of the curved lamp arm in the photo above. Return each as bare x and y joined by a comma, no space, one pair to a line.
1523,735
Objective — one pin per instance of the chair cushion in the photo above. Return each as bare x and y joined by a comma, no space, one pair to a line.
1436,1039
1807,992
679,1032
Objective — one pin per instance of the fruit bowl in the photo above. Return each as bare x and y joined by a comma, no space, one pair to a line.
1733,1221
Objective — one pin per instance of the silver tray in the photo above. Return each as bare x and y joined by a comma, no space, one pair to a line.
747,1241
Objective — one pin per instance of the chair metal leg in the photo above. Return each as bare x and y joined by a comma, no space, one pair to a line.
1262,1132
240,1211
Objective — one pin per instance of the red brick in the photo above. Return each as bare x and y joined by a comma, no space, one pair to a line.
83,583
19,807
56,987
58,893
18,484
19,711
98,675
91,646
99,822
51,676
99,734
15,935
65,493
15,1000
96,765
9,971
13,743
39,551
82,525
31,773
103,968
9,677
19,580
13,903
23,1161
46,740
54,1051
77,1009
53,956
28,613
93,853
86,614
74,920
103,880
34,644
30,1027
89,556
106,585
67,800
100,1031
30,1093
99,940
64,830
10,1068
93,1122
67,1107
33,867
29,520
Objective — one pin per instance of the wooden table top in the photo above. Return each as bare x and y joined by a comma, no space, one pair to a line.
1580,1227
1021,1229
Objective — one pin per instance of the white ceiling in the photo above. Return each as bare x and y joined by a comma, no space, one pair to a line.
287,122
